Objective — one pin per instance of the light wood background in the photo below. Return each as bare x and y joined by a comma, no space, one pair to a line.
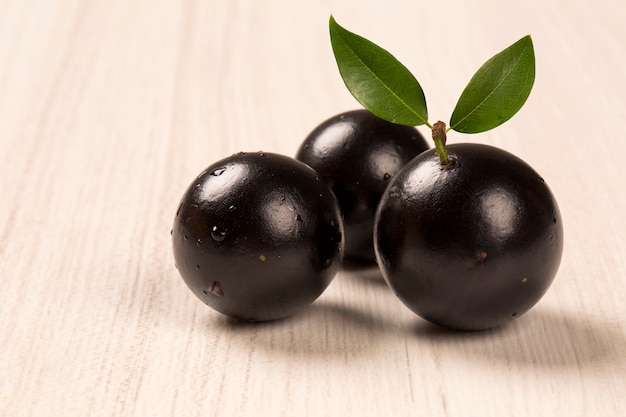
108,109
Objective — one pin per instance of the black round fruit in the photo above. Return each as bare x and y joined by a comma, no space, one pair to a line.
472,246
356,154
258,236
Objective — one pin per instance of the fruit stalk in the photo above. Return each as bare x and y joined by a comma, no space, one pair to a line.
439,137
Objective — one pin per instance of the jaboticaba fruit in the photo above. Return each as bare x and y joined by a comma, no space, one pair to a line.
258,236
473,245
356,154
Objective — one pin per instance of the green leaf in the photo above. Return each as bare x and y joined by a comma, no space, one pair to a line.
498,89
376,79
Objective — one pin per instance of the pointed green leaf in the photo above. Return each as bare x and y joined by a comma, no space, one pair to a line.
498,89
376,79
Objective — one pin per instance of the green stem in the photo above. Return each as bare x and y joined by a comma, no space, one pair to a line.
439,137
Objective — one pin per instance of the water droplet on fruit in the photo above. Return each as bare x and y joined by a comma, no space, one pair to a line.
217,234
542,180
386,176
199,242
218,171
186,237
215,289
232,208
554,220
480,256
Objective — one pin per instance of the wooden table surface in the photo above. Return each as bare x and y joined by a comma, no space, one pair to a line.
108,109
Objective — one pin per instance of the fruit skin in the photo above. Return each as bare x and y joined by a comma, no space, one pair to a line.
357,153
258,236
473,246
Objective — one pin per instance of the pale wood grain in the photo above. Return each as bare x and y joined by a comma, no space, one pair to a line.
108,109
